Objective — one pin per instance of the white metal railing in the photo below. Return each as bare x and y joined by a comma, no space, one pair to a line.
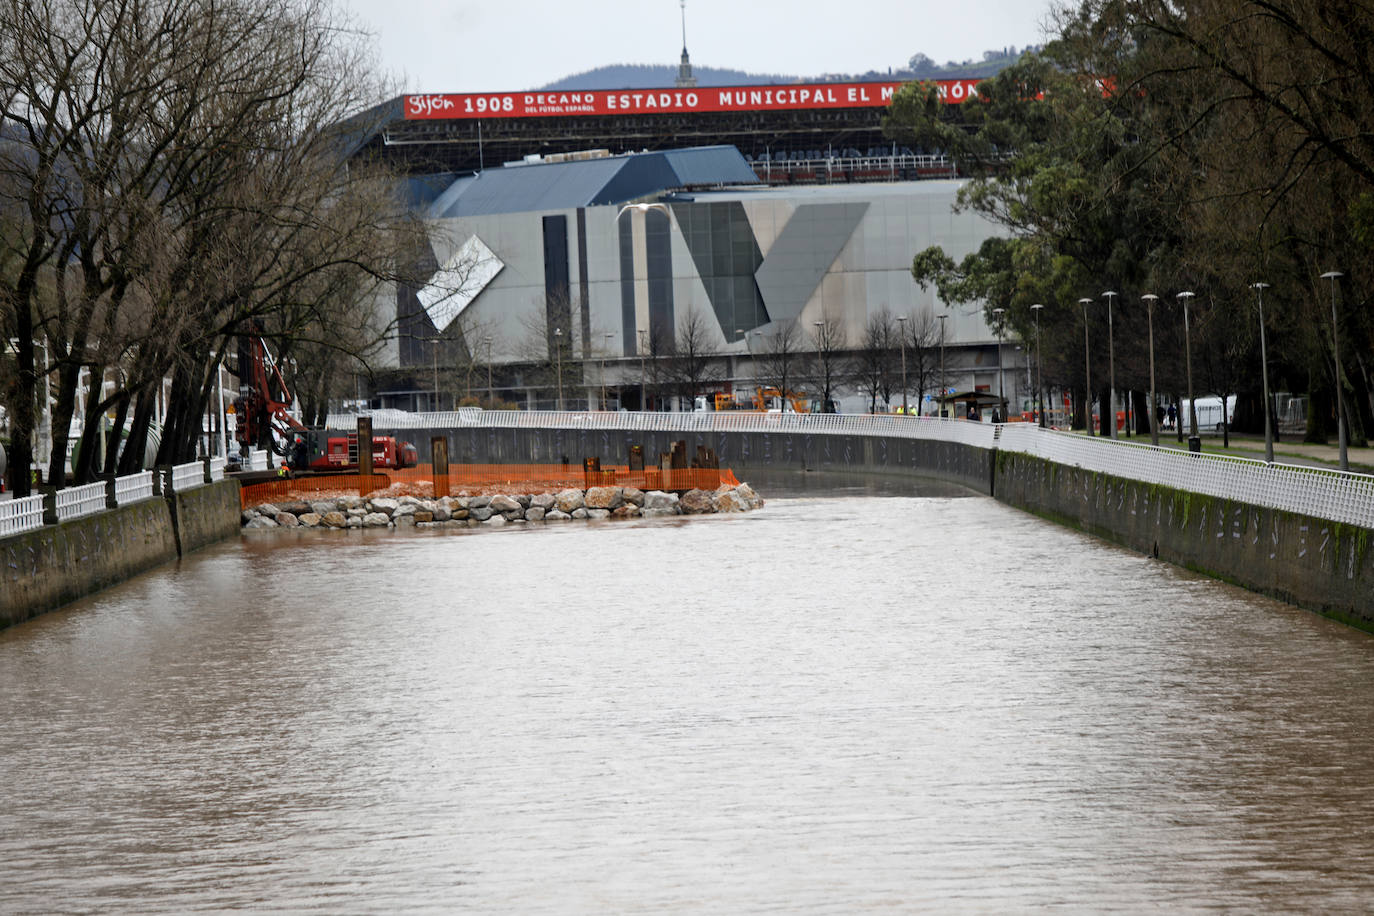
257,457
899,425
74,502
1319,492
217,466
187,476
22,514
133,487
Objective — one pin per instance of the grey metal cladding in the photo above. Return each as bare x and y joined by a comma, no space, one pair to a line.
810,242
726,255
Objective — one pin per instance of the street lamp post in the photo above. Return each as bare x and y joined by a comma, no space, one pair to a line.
491,392
901,329
558,363
1111,369
1194,441
643,379
1342,436
603,369
944,384
1039,385
1259,288
1001,387
1150,300
435,349
1087,371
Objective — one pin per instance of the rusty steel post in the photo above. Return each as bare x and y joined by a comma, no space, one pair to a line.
438,452
364,455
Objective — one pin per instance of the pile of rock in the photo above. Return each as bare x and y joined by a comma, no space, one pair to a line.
495,511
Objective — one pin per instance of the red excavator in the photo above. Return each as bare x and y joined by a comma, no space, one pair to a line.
262,413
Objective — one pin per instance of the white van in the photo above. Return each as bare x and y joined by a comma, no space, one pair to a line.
1209,412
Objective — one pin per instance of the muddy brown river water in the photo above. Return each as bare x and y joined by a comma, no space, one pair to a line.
873,701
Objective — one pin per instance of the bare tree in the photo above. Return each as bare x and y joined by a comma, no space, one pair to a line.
781,361
874,366
828,367
694,365
922,355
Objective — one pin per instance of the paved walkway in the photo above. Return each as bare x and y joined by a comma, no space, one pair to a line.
1244,445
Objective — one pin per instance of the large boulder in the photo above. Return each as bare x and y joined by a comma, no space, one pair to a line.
405,509
629,510
295,507
261,521
633,496
334,519
268,510
604,498
441,513
580,512
385,505
404,519
480,513
697,502
569,500
534,514
495,521
376,520
504,504
556,515
423,516
729,501
657,499
545,501
310,520
287,520
479,502
596,514
323,507
747,494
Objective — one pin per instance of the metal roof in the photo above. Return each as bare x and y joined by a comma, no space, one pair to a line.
590,182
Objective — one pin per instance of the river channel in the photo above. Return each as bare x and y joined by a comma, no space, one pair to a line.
887,700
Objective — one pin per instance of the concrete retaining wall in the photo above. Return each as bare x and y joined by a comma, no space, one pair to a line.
1324,566
53,565
56,564
739,451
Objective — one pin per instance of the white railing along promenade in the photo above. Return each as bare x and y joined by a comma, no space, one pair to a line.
74,502
217,466
187,476
1318,492
132,488
22,514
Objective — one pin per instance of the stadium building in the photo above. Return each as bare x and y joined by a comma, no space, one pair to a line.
566,274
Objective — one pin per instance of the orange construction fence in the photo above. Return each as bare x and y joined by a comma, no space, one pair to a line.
471,478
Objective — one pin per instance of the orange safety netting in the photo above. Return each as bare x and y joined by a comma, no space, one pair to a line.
475,479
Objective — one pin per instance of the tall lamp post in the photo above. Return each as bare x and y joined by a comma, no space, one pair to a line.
901,330
1259,288
603,368
1001,386
1039,382
1150,300
491,395
1087,371
1111,369
1333,276
944,384
1194,442
435,349
643,385
558,363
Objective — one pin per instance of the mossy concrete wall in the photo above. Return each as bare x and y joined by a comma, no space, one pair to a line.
1321,565
57,564
53,565
205,515
739,451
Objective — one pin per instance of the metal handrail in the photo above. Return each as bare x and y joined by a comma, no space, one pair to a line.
1319,492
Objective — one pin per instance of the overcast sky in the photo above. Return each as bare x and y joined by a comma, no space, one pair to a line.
462,46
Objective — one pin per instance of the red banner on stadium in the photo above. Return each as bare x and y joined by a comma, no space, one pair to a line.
798,97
